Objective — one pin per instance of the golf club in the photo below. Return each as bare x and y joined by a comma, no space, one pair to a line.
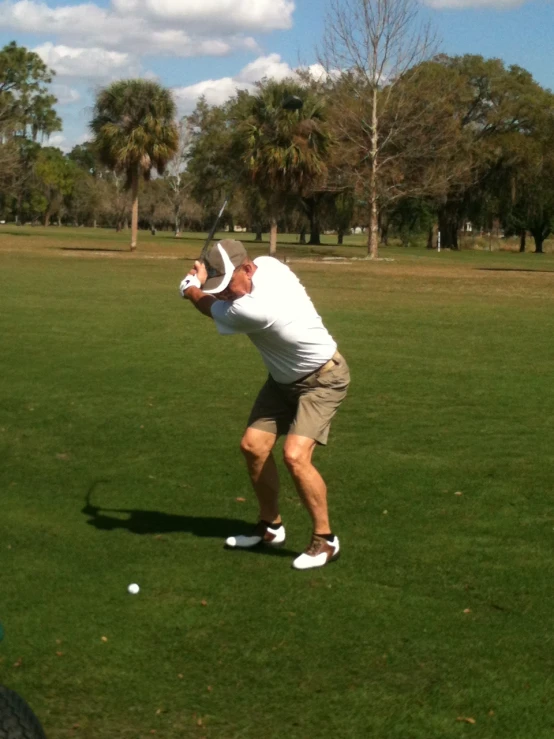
291,102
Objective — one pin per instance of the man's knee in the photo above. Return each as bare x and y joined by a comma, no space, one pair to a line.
297,454
256,444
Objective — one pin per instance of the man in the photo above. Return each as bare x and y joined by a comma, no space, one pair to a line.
308,379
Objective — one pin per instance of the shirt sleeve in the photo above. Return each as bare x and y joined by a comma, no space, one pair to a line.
239,317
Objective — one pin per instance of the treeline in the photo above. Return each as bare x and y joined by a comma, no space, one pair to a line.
419,149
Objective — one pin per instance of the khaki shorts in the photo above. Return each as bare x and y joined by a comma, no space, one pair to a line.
305,407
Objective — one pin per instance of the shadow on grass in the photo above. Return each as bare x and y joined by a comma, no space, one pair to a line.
139,521
89,248
9,232
514,269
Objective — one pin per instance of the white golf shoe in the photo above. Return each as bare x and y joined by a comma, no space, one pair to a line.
261,534
319,553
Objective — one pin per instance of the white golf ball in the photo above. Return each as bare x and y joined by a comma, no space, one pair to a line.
133,588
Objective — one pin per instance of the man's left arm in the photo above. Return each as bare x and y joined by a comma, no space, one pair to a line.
193,292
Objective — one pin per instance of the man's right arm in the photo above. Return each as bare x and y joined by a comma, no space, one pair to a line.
200,300
193,291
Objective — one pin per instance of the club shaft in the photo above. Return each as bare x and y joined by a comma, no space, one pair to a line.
213,228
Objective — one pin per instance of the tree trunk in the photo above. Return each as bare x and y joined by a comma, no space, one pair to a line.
432,236
177,223
383,227
385,232
522,240
340,236
259,232
448,227
47,217
273,236
231,224
315,229
315,236
134,212
373,238
539,237
302,235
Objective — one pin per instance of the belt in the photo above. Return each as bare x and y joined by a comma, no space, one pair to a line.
331,364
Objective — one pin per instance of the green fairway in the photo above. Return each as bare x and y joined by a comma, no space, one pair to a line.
121,413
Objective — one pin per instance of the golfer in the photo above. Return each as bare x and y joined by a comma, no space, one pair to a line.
308,379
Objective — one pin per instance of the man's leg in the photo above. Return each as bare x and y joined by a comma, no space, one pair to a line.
310,485
324,546
257,446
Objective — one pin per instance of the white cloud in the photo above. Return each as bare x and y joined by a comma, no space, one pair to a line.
265,66
319,73
59,140
203,28
218,91
224,15
65,94
67,142
463,4
92,63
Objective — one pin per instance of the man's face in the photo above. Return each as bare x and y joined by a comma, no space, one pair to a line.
241,283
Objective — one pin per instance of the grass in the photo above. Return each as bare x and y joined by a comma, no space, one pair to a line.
165,244
121,414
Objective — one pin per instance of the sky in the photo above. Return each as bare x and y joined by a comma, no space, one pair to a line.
213,47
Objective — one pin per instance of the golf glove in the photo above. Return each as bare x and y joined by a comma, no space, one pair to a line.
189,281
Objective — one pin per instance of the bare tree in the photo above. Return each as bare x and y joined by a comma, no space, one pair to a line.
370,50
179,182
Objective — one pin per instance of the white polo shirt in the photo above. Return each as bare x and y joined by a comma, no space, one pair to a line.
280,320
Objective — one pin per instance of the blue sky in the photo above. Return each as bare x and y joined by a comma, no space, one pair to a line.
213,46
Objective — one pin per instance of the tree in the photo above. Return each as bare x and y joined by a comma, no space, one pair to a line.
119,205
23,186
56,177
281,152
371,49
532,191
342,213
86,158
499,110
25,105
135,131
177,178
211,165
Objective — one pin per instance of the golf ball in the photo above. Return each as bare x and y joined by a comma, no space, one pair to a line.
133,588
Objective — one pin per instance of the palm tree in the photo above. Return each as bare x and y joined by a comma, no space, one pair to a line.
283,152
135,130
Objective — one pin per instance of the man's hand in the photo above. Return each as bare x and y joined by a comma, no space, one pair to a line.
200,271
195,278
191,280
191,289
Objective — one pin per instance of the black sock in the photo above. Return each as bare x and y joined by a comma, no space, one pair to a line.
273,526
328,537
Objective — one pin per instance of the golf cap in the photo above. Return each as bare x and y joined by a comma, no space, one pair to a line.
221,261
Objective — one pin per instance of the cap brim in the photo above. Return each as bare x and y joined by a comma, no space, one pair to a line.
214,285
